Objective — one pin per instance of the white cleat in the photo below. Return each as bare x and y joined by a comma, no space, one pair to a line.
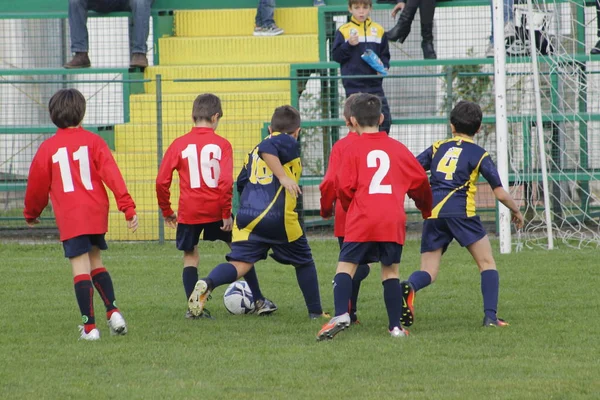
198,298
398,332
117,324
94,334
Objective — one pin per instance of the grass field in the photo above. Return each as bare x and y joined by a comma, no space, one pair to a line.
550,351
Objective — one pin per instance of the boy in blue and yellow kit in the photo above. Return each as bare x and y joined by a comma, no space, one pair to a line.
267,218
350,43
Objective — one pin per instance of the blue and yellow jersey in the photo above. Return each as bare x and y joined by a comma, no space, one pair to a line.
455,165
267,211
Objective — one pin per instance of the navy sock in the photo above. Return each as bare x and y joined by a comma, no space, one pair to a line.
103,283
84,292
342,291
361,273
309,285
222,274
252,281
419,280
189,277
490,284
392,295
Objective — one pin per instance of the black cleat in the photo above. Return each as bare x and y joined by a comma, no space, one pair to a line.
204,315
264,307
488,322
408,309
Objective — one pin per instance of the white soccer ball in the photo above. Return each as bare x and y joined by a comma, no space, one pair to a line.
238,298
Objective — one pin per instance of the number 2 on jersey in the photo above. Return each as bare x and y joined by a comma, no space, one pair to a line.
447,164
62,158
384,166
209,166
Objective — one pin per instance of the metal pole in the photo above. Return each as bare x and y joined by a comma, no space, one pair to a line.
159,149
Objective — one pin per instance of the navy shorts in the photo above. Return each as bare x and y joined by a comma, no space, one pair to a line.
83,244
438,233
188,235
387,253
296,253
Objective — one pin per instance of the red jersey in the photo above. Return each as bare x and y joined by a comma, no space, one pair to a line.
73,166
204,162
327,187
375,175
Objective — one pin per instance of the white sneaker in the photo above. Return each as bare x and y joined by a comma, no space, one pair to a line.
489,52
398,332
198,298
94,334
272,30
117,324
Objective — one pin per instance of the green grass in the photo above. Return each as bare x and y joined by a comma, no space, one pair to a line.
550,350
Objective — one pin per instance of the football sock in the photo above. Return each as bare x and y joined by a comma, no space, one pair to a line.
362,271
252,281
104,286
490,284
342,291
189,277
306,275
392,295
84,292
419,280
220,275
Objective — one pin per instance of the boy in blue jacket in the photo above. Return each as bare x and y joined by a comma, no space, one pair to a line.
351,41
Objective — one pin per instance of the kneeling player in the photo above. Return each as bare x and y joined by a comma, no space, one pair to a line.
377,172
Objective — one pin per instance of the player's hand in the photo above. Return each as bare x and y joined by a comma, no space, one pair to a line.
171,221
398,8
132,223
353,40
227,224
32,222
291,186
517,219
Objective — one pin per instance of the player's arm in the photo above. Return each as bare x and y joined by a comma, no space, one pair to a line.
419,190
275,166
346,181
327,187
226,185
490,173
38,189
425,158
341,49
164,179
111,176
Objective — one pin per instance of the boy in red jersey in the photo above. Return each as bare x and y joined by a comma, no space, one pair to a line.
72,167
376,174
204,163
329,200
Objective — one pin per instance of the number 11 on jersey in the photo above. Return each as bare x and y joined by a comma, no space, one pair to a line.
62,158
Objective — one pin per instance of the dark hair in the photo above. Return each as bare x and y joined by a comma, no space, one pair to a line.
368,3
205,106
67,108
366,108
466,117
348,105
285,119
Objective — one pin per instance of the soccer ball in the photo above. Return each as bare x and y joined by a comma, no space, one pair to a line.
238,298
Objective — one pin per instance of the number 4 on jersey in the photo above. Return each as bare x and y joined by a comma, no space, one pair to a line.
447,164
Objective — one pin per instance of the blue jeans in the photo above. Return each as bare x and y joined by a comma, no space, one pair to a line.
264,13
508,14
139,23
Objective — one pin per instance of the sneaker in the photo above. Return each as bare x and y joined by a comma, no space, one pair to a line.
204,315
408,309
272,30
138,60
488,322
79,60
596,49
334,326
264,307
198,298
318,316
94,334
489,52
318,3
398,331
117,324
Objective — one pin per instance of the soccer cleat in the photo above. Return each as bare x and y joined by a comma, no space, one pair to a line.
408,309
205,315
264,307
398,331
334,326
94,334
117,324
198,298
488,322
318,316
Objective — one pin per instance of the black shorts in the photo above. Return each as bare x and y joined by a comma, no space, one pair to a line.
83,244
439,232
296,253
387,253
188,235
